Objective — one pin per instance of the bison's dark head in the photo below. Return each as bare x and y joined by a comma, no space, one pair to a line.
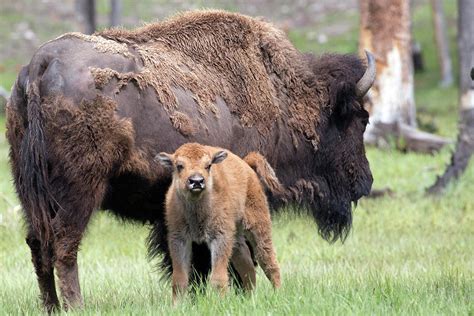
342,171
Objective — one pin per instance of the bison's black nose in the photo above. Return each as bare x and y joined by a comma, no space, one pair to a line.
196,182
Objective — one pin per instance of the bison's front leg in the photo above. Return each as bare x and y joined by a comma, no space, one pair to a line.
180,251
221,252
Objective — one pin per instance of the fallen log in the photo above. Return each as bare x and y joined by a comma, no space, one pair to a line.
406,138
377,193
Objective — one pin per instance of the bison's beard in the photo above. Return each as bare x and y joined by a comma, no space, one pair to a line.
330,205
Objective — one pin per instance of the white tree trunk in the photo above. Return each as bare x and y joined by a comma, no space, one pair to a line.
385,31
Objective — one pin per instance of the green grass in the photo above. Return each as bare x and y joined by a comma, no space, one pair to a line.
403,256
406,254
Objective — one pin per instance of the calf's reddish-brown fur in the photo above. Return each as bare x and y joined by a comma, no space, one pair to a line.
214,198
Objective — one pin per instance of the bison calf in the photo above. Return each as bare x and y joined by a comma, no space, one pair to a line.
215,198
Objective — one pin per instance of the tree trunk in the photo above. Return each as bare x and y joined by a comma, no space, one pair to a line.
4,95
417,53
115,12
465,142
385,31
442,43
86,15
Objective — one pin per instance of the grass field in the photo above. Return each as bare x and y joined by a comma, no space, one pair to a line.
406,254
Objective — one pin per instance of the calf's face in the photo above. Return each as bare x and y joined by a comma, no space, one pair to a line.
191,169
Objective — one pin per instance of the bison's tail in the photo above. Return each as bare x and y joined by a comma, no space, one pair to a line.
265,172
33,183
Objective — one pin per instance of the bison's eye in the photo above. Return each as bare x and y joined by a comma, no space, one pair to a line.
179,167
364,117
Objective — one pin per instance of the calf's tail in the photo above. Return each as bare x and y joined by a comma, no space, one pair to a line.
265,172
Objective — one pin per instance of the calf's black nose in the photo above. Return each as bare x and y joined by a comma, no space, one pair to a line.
196,181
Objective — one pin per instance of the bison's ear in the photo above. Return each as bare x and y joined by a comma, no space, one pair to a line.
343,99
219,157
165,160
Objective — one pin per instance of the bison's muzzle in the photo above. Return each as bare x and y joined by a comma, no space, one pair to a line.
196,183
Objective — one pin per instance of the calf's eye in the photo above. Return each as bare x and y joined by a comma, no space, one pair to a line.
179,167
208,167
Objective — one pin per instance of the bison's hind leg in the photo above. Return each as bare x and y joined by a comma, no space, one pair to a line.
60,253
69,234
87,144
43,263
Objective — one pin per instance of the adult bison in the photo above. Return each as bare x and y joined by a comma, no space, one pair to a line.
89,113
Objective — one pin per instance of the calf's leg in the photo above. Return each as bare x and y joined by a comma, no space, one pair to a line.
180,252
221,252
243,264
259,232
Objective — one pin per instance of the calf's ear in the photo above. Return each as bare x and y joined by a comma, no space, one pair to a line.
219,157
165,160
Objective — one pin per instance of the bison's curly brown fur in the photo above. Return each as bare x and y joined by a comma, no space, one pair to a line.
246,61
182,123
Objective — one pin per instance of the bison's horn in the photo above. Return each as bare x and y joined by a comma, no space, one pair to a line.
367,80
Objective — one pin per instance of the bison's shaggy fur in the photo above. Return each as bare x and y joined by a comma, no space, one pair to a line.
88,115
216,198
247,62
